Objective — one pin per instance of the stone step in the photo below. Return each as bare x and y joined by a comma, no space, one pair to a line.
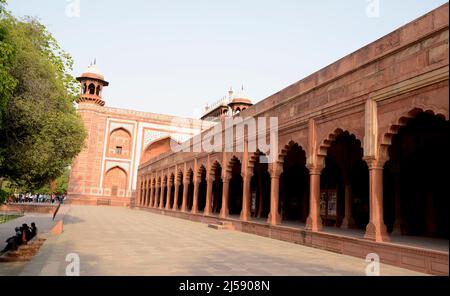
24,252
214,226
224,223
5,258
20,252
221,227
30,247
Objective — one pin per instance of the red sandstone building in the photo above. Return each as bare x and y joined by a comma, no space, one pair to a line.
118,141
362,146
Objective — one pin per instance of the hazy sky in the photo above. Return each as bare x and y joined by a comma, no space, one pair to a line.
174,56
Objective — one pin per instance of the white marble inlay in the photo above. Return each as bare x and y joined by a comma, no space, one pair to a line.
125,126
111,164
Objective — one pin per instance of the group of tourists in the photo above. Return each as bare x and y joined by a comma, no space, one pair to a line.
23,235
36,198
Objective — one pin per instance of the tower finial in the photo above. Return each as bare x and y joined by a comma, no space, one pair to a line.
230,93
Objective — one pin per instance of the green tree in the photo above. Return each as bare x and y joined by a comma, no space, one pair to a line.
62,183
7,81
40,132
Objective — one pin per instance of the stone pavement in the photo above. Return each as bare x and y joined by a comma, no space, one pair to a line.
44,223
120,241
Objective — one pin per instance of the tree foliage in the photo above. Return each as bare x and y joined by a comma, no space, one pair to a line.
62,184
40,130
7,81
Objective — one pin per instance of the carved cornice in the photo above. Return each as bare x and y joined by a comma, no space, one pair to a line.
412,84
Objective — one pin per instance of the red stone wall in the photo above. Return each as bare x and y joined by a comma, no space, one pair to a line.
116,180
119,138
29,208
155,149
86,169
370,93
99,172
403,71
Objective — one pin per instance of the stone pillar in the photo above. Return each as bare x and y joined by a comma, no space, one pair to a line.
376,229
138,192
149,195
161,195
169,193
152,193
142,191
144,187
148,188
274,215
209,187
260,196
148,202
245,213
195,198
348,221
185,195
224,211
156,195
141,194
314,221
175,196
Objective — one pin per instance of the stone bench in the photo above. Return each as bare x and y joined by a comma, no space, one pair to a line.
222,225
24,252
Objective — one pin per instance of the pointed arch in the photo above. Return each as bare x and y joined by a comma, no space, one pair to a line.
235,192
344,182
294,184
415,196
260,185
394,128
91,89
201,178
216,174
156,148
119,143
116,180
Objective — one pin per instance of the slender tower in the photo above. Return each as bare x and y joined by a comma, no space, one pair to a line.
85,184
92,83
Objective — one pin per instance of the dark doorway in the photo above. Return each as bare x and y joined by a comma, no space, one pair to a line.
416,194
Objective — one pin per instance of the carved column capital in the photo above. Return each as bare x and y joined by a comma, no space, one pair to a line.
275,170
247,175
210,178
315,169
375,163
226,177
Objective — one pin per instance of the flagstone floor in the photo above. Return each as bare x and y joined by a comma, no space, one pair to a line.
120,241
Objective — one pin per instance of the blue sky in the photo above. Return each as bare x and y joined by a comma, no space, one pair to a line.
174,56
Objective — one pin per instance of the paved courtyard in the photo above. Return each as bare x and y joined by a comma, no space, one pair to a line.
119,241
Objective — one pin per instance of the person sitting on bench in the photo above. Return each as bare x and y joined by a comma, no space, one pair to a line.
13,242
26,233
33,230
